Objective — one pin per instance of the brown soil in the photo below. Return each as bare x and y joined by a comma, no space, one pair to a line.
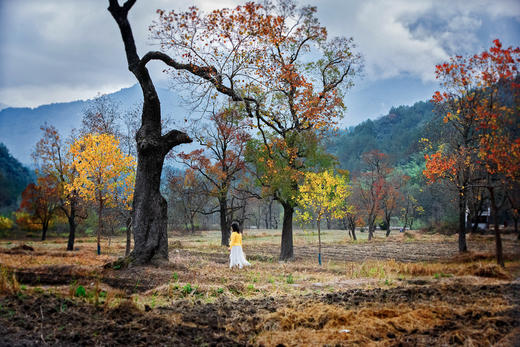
458,310
416,315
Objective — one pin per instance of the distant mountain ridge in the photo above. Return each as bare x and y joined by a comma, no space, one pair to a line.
396,134
20,126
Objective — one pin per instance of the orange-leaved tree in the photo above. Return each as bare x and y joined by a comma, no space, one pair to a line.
480,102
499,123
276,59
41,201
105,174
455,160
220,161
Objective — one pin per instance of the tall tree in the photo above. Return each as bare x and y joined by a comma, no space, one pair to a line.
149,206
275,59
454,161
481,105
496,72
105,174
221,160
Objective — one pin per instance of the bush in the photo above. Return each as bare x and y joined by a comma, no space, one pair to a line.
6,223
444,228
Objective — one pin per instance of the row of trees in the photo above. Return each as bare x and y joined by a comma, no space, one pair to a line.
89,171
278,82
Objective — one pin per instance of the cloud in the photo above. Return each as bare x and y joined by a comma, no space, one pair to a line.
410,37
59,50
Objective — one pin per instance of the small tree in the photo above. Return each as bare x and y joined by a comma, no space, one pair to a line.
104,173
52,159
320,194
189,194
41,201
371,188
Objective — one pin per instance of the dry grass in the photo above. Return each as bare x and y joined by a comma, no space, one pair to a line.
47,254
381,325
8,282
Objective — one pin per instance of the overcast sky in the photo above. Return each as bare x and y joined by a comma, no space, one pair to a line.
64,50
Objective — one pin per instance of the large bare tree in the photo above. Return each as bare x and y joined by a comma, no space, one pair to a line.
149,207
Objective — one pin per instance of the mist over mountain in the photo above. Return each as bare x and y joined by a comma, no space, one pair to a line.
20,127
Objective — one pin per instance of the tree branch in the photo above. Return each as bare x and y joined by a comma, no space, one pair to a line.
174,138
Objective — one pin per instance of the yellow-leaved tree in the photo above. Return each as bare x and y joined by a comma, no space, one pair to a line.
322,193
106,174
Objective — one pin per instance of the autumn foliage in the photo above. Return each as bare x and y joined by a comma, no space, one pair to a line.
278,62
41,201
480,103
105,175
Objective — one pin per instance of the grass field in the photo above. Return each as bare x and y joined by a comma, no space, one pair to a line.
411,288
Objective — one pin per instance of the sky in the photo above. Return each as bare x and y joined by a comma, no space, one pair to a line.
63,50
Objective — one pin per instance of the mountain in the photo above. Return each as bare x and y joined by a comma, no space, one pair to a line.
14,177
20,127
396,134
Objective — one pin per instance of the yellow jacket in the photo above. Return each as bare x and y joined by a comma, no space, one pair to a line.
236,239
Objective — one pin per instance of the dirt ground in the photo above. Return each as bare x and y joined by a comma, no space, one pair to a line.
404,291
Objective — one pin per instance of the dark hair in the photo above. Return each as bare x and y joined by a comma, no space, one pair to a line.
235,227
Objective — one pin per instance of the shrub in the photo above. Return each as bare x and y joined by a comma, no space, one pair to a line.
6,223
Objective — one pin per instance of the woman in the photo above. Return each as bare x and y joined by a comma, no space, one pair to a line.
237,256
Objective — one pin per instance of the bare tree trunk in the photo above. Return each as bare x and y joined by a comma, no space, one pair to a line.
149,206
224,224
319,243
45,226
128,235
498,238
287,251
462,222
100,223
72,226
371,228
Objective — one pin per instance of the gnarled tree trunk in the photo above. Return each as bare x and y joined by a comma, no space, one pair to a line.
149,206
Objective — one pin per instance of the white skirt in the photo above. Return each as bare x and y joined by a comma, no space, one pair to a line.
237,257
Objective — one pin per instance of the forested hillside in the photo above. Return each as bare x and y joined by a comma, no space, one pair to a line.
396,134
13,179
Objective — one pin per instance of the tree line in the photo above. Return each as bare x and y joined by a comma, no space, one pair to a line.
275,82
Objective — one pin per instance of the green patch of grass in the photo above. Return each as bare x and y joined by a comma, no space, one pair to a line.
187,289
290,279
80,291
441,275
